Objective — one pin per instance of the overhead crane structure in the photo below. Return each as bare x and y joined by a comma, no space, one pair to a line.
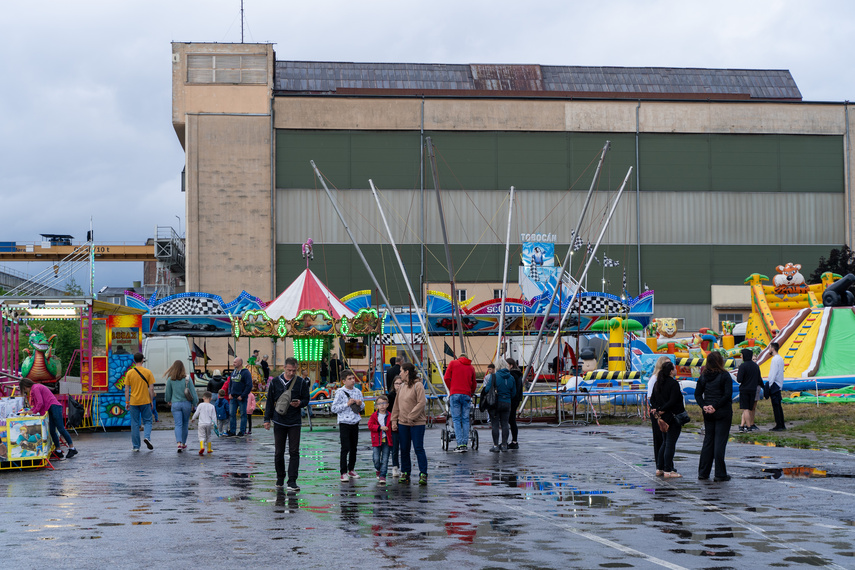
32,252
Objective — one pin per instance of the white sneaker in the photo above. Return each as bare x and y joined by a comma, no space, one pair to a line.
344,478
395,472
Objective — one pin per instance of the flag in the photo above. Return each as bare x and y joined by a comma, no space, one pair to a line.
578,242
205,351
625,292
447,350
608,262
231,350
197,352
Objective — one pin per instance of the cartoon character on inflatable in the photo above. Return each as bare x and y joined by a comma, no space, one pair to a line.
789,280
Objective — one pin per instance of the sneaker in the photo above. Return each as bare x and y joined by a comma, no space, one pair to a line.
513,445
293,488
71,453
136,449
422,478
229,434
241,434
461,449
249,432
504,447
148,443
56,454
179,448
495,449
778,429
753,427
280,486
405,479
743,429
381,480
353,475
344,478
718,479
377,474
395,472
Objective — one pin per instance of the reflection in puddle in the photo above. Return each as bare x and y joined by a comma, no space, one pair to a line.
795,472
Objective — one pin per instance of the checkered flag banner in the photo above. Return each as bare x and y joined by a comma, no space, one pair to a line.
610,262
624,280
591,250
578,243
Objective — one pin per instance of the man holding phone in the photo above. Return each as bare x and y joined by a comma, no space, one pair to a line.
286,427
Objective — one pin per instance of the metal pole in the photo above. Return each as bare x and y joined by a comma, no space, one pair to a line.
422,321
575,235
576,292
505,276
368,268
455,307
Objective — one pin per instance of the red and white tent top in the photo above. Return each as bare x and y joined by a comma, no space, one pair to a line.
306,292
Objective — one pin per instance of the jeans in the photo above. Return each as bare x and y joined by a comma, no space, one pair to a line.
716,432
657,443
292,435
57,424
181,415
414,435
500,416
777,409
396,448
459,405
233,407
669,446
349,435
381,458
138,413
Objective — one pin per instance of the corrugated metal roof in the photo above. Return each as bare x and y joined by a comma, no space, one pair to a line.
659,82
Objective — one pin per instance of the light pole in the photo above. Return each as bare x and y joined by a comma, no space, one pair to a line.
179,225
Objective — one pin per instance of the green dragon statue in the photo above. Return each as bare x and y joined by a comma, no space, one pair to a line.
42,365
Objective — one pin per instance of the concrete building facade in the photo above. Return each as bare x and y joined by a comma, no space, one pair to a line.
732,172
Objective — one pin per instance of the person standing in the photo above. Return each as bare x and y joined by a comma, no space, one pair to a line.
776,385
286,427
265,371
749,378
505,392
666,403
207,415
346,399
181,396
657,433
381,437
139,398
392,373
515,402
394,438
460,379
335,368
408,420
42,401
713,393
240,385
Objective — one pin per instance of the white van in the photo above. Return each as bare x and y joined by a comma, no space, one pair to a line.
160,352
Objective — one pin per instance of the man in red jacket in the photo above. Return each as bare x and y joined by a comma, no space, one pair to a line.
460,379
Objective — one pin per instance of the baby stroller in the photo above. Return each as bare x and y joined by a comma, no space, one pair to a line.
447,433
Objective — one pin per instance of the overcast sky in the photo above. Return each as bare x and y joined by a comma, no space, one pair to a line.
85,103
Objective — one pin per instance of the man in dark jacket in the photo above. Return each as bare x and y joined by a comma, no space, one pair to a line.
287,426
240,385
460,378
749,378
394,370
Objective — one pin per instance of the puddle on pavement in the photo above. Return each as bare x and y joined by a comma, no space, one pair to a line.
802,472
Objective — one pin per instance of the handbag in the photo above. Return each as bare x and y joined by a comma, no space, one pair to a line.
489,398
187,393
357,409
284,399
682,418
760,392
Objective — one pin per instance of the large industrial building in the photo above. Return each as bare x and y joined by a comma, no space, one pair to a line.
733,173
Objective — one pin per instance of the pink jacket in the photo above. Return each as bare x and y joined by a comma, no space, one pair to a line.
41,399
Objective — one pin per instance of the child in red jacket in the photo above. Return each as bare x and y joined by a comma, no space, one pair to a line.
381,437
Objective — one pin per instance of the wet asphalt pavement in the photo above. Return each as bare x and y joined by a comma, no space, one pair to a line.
570,497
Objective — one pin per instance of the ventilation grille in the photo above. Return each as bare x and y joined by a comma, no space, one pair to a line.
242,69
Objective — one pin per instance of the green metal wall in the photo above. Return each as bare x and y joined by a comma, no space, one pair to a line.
680,274
557,161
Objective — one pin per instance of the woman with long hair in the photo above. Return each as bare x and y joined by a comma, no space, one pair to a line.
177,381
713,394
42,401
408,420
665,404
394,437
654,423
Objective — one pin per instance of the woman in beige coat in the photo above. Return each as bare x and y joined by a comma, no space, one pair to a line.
408,420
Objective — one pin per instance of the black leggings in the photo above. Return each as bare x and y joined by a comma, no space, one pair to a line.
349,435
512,420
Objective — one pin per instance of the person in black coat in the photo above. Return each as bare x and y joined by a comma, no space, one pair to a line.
393,371
713,394
515,401
665,403
749,378
286,427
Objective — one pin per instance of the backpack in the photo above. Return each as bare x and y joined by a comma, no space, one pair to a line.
76,411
